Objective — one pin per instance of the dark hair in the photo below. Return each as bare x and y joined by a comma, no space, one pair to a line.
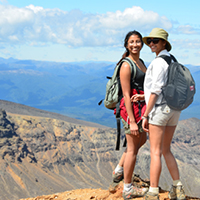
128,35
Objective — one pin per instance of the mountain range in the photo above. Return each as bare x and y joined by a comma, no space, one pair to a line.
72,89
44,153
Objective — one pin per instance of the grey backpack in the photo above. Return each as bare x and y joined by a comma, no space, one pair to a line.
114,94
113,87
180,88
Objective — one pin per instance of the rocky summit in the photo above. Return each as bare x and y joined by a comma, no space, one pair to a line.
45,155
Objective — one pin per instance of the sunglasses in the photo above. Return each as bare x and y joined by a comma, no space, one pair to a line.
154,40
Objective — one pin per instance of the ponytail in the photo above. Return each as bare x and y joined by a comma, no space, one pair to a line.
126,54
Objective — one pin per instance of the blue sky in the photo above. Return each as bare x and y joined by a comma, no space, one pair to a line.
68,31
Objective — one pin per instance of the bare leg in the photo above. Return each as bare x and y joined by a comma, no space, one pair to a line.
169,157
156,135
133,145
143,138
121,162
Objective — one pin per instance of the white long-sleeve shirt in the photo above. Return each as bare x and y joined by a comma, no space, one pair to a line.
156,77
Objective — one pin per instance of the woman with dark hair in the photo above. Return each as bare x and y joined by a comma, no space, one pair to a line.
135,137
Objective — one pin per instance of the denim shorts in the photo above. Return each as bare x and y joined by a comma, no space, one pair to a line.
163,115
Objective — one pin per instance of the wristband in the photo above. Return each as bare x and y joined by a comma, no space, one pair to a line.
144,117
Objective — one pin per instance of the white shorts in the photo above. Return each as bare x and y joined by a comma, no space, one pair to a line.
163,115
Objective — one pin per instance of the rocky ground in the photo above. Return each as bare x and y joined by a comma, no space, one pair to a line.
96,194
87,194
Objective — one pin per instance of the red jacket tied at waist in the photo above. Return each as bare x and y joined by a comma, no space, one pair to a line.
138,108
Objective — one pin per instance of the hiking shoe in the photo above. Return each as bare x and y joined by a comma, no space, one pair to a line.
151,196
134,192
113,187
117,177
177,192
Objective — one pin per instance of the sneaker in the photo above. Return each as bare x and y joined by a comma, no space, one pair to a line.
177,192
151,196
134,192
113,187
117,177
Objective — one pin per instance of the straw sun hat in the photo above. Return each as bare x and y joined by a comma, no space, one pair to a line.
158,33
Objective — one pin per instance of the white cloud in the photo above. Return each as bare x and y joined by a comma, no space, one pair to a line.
187,43
3,1
133,17
36,25
187,29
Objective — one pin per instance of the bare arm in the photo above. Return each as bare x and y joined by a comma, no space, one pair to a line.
137,97
150,105
125,77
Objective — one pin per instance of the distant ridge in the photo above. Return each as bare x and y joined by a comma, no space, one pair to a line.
21,109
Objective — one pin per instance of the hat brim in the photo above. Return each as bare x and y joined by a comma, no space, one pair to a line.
168,45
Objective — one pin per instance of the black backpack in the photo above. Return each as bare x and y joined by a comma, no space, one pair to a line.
180,88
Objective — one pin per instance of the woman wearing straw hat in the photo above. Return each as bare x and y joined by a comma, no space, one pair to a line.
159,120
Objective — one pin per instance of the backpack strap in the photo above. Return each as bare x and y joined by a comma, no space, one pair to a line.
168,59
173,58
132,65
133,75
133,70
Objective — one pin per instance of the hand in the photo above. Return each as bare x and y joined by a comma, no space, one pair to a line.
145,125
137,97
134,129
